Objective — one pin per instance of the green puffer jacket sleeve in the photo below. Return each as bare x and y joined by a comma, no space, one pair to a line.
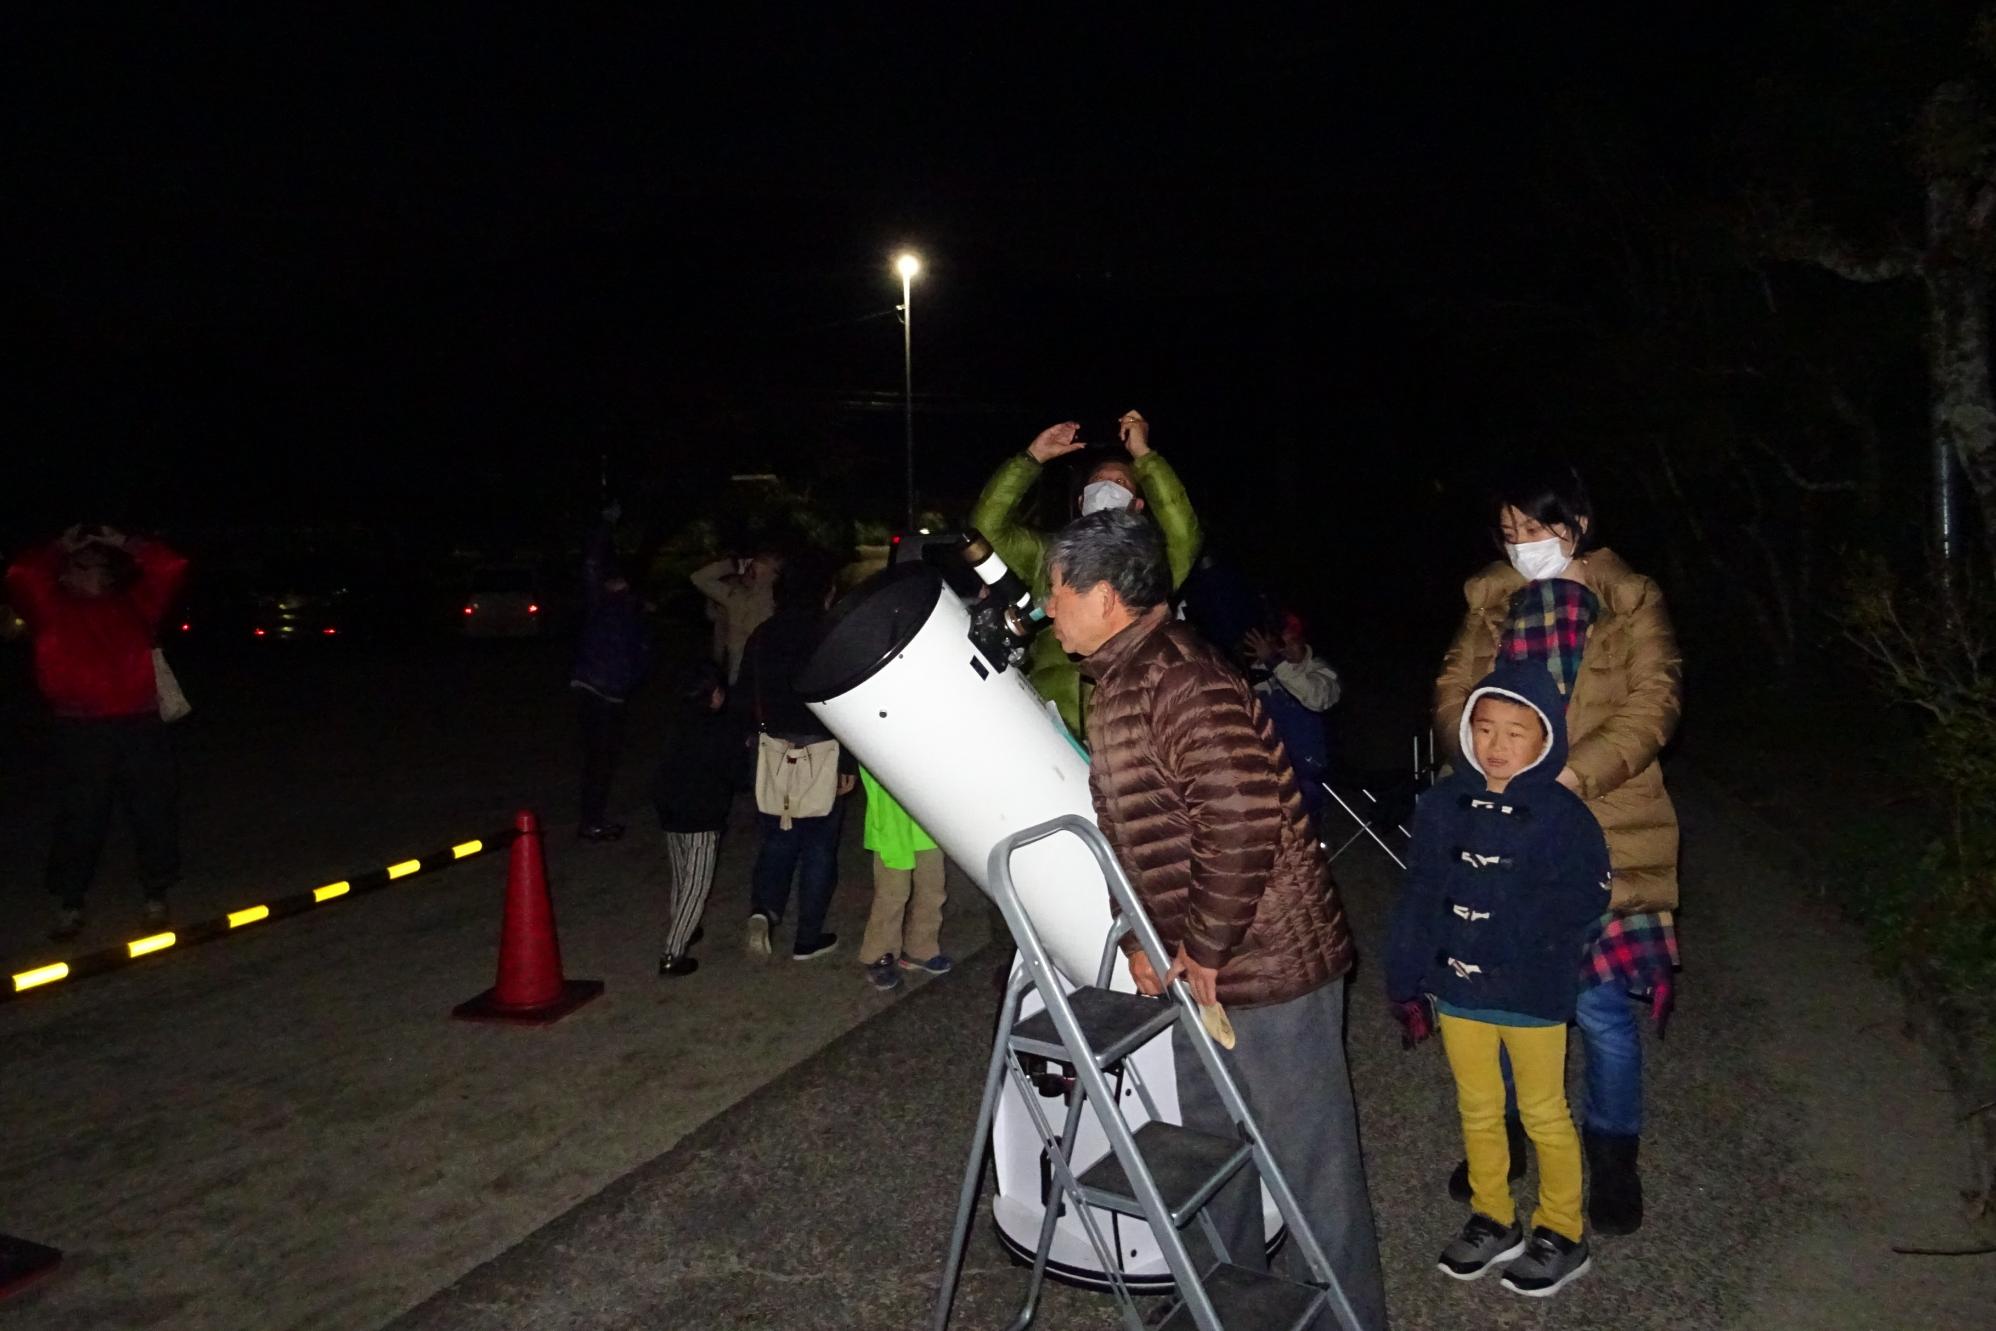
1165,496
996,517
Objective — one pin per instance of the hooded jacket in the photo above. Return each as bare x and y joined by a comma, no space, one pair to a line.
1623,710
1195,795
1503,890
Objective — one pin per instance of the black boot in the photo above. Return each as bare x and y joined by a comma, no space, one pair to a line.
1615,1190
1458,1179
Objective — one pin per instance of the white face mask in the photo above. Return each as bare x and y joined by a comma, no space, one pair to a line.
1538,560
1100,495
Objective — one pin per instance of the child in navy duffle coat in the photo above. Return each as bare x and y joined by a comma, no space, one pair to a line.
1508,877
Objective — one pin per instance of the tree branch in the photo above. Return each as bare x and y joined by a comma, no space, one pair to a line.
1796,478
1825,249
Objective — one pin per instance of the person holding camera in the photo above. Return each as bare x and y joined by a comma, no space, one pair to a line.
741,595
1141,483
93,601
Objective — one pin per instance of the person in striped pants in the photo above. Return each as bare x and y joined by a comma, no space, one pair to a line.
705,755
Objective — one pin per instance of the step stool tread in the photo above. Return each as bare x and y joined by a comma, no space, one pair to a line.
1114,1024
1245,1298
1183,1162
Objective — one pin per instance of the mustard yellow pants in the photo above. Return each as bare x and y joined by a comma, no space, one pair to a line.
1538,1070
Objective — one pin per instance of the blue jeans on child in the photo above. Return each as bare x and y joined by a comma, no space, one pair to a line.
1607,1020
809,852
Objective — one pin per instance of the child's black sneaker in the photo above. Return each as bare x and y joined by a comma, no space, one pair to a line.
679,965
1550,1261
1483,1245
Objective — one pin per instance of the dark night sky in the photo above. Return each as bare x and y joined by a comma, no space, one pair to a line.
429,265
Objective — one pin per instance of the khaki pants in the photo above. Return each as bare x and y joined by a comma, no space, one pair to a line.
1538,1068
907,914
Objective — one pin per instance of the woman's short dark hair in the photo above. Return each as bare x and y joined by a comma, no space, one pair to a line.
1552,495
806,578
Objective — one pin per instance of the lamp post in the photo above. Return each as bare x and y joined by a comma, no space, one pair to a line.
908,265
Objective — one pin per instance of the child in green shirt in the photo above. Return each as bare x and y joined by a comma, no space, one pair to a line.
907,914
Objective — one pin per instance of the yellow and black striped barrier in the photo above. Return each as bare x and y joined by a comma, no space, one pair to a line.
223,926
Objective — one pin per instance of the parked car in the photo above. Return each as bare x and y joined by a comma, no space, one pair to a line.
503,603
303,611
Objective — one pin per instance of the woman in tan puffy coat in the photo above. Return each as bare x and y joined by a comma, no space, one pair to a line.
1602,629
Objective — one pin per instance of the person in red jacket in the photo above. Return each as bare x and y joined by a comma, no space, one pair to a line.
92,601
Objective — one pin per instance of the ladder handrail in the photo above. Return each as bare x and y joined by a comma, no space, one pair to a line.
1045,976
1038,973
1133,918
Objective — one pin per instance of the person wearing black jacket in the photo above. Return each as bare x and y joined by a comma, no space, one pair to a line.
807,849
692,791
610,660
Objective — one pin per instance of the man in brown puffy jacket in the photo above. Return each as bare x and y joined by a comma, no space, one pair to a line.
1196,797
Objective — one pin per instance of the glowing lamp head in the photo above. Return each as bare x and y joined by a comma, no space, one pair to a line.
907,265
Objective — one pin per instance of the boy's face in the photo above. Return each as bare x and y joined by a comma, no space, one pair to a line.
1508,738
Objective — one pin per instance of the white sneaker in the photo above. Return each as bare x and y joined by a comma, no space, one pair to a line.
758,935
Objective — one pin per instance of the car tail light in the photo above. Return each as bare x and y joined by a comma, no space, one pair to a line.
467,610
259,633
186,628
330,632
533,609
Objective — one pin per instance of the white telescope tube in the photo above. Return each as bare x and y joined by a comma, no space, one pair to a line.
969,750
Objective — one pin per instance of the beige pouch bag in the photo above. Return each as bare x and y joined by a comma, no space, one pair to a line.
795,780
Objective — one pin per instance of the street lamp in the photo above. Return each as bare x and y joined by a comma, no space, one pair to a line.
908,265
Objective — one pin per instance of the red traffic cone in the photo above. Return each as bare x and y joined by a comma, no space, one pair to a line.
22,1263
530,989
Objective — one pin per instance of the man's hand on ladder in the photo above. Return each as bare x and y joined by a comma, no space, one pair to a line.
1203,981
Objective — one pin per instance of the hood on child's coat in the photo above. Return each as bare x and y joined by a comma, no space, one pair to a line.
1530,683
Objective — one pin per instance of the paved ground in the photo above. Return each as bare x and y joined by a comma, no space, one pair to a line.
1797,1135
282,1130
285,1130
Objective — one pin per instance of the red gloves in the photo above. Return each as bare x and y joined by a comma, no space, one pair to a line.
1417,1020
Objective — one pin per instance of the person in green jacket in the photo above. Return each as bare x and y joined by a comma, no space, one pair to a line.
1145,483
907,912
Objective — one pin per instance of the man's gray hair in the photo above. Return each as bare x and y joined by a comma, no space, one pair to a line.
1119,547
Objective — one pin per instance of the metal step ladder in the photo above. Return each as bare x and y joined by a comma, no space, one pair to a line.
1161,1173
